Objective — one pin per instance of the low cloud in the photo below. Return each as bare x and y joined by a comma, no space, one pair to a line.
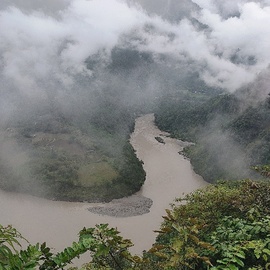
226,42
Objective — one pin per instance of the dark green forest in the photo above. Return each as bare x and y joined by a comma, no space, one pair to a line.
67,159
230,135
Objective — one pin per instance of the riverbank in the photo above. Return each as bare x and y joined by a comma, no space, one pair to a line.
134,205
168,175
69,163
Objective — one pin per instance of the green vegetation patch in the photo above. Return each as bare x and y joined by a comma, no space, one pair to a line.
224,226
96,174
230,134
69,163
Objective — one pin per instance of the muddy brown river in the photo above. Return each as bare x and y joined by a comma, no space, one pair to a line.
169,175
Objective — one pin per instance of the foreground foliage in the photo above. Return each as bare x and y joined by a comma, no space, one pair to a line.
224,226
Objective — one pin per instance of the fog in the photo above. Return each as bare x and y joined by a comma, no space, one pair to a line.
59,57
41,42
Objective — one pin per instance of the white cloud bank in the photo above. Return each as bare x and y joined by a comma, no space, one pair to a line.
230,50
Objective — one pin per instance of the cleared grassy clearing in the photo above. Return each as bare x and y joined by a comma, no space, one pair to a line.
96,174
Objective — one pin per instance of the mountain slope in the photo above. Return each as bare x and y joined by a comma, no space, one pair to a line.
231,132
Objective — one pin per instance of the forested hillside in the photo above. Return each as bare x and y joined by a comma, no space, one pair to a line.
56,157
231,132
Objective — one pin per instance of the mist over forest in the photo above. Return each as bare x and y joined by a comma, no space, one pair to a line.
74,75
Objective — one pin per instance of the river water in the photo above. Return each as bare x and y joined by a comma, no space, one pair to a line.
168,175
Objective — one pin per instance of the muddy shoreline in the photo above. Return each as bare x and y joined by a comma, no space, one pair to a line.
168,176
140,203
134,205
